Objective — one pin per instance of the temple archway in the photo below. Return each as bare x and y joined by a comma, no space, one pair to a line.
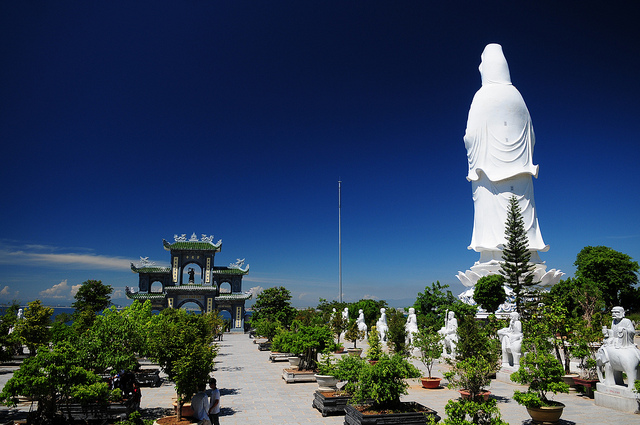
192,306
225,287
156,287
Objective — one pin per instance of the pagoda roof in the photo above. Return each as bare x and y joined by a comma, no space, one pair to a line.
190,287
234,297
192,245
229,271
145,296
150,269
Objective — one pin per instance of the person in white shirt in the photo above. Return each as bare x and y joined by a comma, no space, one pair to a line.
200,405
214,402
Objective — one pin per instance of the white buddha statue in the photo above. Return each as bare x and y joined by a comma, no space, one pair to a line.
499,140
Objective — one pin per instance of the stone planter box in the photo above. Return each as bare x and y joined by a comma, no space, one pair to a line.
264,346
328,403
279,357
290,375
354,417
95,411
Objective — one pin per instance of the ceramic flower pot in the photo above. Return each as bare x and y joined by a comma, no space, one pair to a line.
546,414
430,383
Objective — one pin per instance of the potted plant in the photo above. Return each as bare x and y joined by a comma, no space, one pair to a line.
353,334
586,340
429,345
375,346
347,370
470,376
377,392
540,370
326,375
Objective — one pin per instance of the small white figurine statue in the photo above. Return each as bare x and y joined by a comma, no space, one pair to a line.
381,325
449,333
511,340
20,314
411,326
360,321
618,352
345,319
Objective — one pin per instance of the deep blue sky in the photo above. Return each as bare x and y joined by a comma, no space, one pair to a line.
123,123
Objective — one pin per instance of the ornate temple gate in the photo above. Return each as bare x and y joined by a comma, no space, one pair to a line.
203,290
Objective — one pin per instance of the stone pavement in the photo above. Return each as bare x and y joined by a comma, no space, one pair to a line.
253,392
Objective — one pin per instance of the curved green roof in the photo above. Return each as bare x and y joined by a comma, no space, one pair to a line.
192,246
150,269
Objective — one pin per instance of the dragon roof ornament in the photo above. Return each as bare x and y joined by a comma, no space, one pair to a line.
238,265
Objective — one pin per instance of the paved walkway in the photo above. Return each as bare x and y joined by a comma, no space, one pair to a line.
253,392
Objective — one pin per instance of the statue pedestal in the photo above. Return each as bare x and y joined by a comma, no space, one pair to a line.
504,374
616,397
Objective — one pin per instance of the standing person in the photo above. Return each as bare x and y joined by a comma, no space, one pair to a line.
200,405
214,402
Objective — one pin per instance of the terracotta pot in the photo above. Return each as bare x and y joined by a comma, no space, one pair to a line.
373,361
430,383
466,395
546,414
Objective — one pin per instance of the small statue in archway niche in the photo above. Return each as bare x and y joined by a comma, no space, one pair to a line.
618,352
191,275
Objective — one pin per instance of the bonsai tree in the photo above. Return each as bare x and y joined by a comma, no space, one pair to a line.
429,344
266,328
338,325
326,366
538,366
375,346
397,334
384,383
472,375
348,369
305,341
353,334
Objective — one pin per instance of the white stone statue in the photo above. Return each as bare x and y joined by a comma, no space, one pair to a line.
618,352
449,334
345,319
499,140
511,340
381,325
411,326
20,314
360,321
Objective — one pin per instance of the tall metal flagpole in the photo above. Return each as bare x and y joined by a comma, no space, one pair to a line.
340,239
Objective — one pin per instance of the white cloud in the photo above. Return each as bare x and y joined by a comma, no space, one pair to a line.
41,255
370,297
74,289
118,293
256,290
5,292
60,290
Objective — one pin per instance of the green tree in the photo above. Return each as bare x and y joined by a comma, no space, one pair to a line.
93,296
34,329
489,292
117,338
54,376
614,273
370,309
182,344
515,268
432,304
274,304
397,333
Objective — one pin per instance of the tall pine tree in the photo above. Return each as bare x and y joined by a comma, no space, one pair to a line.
517,271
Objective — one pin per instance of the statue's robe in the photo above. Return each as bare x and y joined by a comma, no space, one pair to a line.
499,139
